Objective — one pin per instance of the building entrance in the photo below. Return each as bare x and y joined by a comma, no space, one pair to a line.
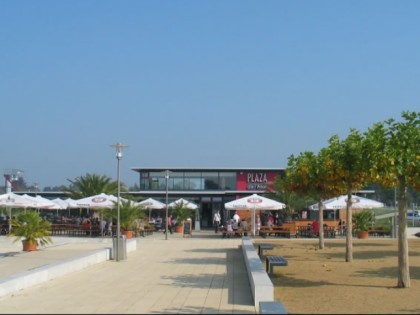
206,215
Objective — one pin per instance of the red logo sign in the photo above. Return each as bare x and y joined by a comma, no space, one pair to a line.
98,199
254,200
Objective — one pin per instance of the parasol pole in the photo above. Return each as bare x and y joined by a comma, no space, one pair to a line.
253,225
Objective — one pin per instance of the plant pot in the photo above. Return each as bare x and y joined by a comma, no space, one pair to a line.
29,246
363,234
128,234
179,229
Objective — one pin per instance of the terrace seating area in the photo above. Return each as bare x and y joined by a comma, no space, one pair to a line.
304,229
301,229
93,231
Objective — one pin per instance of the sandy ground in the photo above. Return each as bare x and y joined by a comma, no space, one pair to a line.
322,282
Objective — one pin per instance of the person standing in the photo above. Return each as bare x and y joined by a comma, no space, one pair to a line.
216,221
169,218
236,218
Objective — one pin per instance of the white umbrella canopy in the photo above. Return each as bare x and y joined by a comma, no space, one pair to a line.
254,202
71,203
99,201
61,204
150,204
357,202
187,204
43,203
13,200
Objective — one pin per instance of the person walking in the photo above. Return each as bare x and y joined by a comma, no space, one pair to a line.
169,218
216,221
236,218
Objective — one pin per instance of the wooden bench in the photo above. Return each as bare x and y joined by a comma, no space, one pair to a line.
262,247
264,231
287,230
272,261
144,230
74,230
237,232
378,233
281,231
329,231
272,307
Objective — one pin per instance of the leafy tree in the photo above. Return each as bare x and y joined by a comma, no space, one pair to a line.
92,184
394,157
350,168
292,199
310,174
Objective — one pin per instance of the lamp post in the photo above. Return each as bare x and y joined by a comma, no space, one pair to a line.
166,218
119,148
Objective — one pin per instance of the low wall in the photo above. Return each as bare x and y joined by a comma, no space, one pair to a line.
411,231
28,278
36,276
261,286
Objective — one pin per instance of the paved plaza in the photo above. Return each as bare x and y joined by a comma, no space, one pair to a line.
202,274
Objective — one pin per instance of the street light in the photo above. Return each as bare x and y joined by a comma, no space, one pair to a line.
166,220
119,148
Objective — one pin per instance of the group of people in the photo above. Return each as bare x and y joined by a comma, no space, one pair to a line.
232,224
105,227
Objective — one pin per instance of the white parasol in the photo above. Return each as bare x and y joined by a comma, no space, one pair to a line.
253,203
186,204
13,200
357,202
151,203
43,203
99,201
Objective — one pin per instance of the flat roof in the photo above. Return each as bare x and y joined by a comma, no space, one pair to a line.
186,169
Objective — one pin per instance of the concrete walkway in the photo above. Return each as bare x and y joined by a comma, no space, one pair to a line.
204,274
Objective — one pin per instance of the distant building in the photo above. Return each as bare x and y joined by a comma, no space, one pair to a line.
210,188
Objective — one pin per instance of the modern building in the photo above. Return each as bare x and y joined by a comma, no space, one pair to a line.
209,188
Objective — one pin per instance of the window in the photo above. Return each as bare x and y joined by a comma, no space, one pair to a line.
211,180
227,180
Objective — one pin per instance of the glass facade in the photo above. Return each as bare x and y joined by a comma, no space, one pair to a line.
209,188
188,181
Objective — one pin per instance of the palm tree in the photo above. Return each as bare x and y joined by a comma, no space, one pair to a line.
92,184
30,227
130,214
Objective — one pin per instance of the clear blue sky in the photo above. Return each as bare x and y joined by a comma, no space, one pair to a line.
232,83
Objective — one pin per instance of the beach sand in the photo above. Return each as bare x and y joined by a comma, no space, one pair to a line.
322,282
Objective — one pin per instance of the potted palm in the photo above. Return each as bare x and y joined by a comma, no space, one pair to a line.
129,213
181,213
362,220
31,229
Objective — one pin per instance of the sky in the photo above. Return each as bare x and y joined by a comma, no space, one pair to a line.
186,83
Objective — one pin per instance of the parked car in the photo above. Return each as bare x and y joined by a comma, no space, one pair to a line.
413,216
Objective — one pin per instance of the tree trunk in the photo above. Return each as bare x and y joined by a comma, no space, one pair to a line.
321,224
403,265
349,230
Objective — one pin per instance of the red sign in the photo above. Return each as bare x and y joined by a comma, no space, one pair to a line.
255,180
98,199
254,200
